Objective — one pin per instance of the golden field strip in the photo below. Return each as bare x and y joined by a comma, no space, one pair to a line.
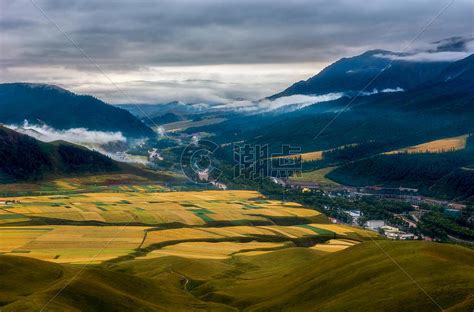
95,244
239,232
70,244
95,227
188,208
206,250
334,245
437,146
310,156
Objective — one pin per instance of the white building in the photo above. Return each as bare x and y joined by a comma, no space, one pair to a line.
355,214
374,224
388,228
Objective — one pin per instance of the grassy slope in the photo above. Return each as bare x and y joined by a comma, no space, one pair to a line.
363,278
29,284
316,176
360,278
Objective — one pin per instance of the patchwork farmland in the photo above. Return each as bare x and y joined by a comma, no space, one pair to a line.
95,227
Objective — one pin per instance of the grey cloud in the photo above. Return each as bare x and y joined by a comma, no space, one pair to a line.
453,44
211,32
130,36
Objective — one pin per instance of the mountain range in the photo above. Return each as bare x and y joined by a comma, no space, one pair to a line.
437,103
373,70
387,101
433,100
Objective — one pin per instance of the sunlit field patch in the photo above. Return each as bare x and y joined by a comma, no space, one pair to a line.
310,156
346,230
206,250
316,176
437,146
334,245
71,244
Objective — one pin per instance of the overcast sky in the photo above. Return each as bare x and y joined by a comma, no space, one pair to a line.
206,51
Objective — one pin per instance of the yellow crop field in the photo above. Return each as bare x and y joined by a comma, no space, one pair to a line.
236,232
147,208
207,250
15,238
310,156
438,146
100,226
290,231
346,230
186,234
71,244
8,217
334,245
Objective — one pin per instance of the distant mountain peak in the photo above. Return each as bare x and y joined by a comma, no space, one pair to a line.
374,69
44,86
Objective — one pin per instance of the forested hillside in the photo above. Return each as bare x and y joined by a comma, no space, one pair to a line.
61,109
25,158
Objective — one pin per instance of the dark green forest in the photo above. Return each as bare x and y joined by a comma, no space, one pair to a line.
25,158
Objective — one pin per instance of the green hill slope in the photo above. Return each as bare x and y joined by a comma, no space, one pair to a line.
32,285
361,278
366,277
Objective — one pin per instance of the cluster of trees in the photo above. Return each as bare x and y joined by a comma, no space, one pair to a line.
352,152
437,225
81,160
420,170
434,224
